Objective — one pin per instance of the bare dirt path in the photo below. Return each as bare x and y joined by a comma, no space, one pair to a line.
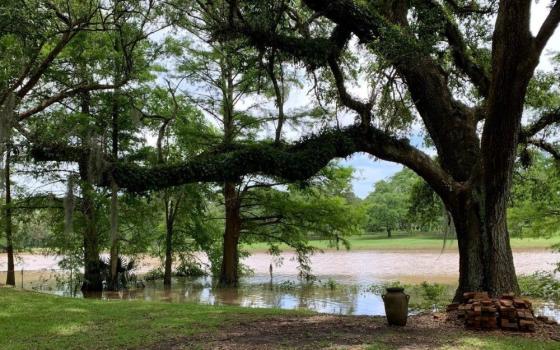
340,332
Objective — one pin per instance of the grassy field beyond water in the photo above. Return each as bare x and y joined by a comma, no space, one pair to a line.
415,242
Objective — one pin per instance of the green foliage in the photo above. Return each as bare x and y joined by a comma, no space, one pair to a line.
425,208
294,214
541,284
433,292
424,296
535,199
544,91
387,206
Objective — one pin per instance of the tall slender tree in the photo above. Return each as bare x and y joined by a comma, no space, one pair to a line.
114,50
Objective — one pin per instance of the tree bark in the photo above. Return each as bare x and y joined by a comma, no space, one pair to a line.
230,259
10,278
484,265
514,60
93,280
113,283
388,232
467,223
168,243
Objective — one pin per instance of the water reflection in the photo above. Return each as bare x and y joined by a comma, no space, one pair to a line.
330,294
284,292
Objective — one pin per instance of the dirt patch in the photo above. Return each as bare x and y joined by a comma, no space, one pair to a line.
426,331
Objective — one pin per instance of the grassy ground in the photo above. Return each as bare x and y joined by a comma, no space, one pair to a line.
31,320
418,242
36,321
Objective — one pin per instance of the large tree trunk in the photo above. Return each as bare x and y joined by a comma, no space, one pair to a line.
514,58
230,258
484,265
10,278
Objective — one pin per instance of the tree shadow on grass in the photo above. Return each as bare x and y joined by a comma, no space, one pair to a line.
315,332
424,331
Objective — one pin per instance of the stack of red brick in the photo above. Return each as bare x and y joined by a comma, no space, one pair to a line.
508,312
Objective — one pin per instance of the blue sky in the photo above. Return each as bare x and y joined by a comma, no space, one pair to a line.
368,171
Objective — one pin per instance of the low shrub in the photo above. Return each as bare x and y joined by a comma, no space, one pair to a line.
541,284
424,296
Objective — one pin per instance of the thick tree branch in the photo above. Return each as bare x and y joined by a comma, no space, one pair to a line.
463,60
340,37
58,152
312,51
544,121
554,151
293,163
44,65
363,109
470,9
426,80
548,27
63,95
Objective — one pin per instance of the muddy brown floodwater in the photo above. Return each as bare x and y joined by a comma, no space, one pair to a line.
352,271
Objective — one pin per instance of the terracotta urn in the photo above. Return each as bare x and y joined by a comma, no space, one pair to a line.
396,306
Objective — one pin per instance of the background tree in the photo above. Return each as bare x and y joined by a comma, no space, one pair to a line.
388,204
535,198
181,133
87,127
32,36
293,216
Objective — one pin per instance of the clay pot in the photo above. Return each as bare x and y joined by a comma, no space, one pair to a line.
396,306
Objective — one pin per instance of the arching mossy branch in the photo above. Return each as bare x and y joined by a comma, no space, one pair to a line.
294,162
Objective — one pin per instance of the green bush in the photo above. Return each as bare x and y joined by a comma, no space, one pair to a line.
155,274
190,269
541,284
424,296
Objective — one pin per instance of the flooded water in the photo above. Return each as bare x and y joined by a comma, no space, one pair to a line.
342,286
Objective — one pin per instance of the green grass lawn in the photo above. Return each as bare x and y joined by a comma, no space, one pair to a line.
407,242
31,320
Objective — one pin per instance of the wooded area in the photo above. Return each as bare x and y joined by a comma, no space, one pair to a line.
164,127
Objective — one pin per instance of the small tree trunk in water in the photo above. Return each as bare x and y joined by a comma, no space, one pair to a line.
168,244
388,232
11,278
230,258
114,259
93,281
114,275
